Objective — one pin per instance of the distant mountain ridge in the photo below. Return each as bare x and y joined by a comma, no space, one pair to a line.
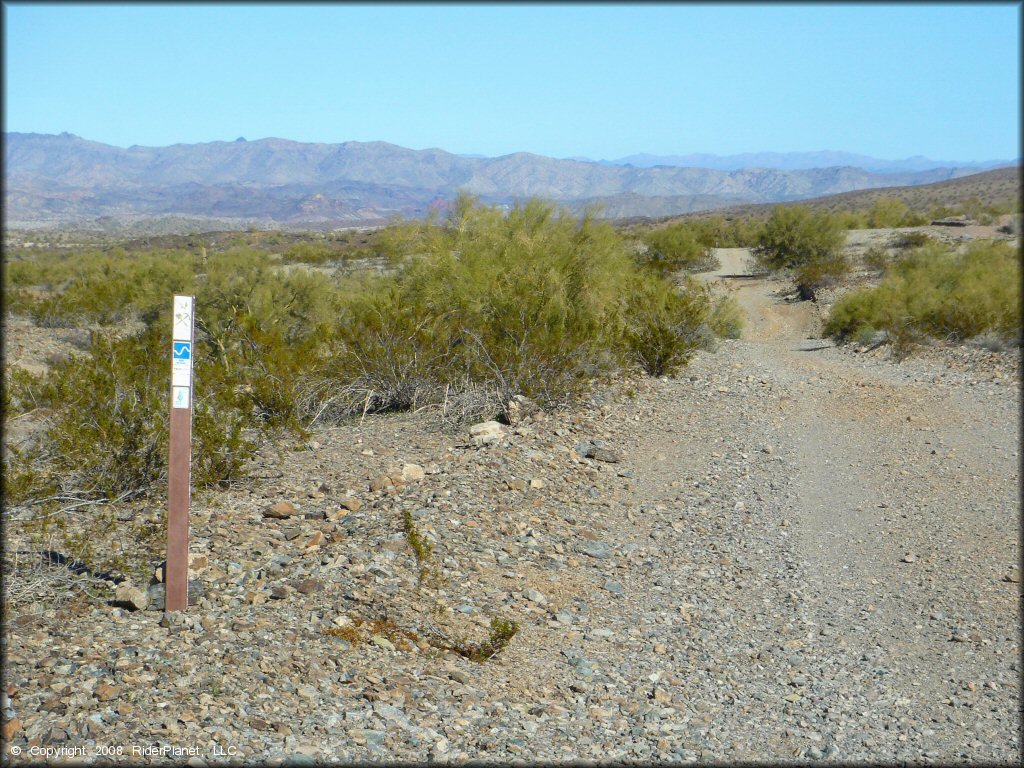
792,161
62,179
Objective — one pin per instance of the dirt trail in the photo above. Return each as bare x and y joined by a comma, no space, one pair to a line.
897,498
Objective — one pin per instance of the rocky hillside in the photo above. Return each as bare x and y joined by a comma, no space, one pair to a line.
66,179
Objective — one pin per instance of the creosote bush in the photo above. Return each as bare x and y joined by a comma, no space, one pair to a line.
938,293
806,243
482,306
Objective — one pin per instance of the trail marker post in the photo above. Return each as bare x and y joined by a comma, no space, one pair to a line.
179,462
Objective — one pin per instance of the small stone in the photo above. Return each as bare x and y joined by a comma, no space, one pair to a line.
517,484
382,642
158,594
280,511
380,483
661,696
412,473
350,503
614,587
486,432
1013,576
597,549
768,449
315,540
106,692
280,592
308,586
10,728
909,557
536,483
136,598
534,596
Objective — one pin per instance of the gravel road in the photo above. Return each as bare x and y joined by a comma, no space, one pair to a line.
799,553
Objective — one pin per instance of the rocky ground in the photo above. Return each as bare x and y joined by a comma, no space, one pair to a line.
789,552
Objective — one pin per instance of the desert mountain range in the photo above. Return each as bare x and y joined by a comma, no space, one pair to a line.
64,179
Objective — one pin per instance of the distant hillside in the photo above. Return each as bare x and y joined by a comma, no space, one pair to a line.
66,180
988,187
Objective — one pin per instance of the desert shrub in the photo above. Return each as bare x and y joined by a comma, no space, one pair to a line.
908,240
107,435
888,212
533,299
807,243
98,287
687,244
676,247
936,292
852,220
725,317
311,253
876,257
665,327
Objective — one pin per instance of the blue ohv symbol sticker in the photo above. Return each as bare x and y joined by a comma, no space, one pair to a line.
182,350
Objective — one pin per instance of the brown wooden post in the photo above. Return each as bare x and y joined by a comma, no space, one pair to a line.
179,463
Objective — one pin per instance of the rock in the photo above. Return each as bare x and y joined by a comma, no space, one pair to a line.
536,483
280,511
158,594
1013,576
380,483
661,696
909,558
486,432
279,592
106,692
535,597
10,728
599,450
596,549
350,503
412,473
520,409
137,599
308,586
517,484
315,540
614,587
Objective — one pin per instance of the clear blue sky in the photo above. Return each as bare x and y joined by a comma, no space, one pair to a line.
601,81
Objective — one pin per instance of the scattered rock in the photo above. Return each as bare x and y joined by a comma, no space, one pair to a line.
137,599
350,503
535,597
412,473
280,511
486,432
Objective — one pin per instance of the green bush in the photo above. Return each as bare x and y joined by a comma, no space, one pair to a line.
806,242
936,292
485,306
907,240
676,247
888,212
665,327
726,317
876,257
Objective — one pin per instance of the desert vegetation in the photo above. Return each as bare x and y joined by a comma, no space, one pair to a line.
806,243
478,307
934,291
